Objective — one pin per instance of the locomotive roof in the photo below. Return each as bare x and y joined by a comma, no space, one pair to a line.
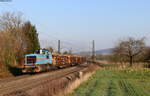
39,55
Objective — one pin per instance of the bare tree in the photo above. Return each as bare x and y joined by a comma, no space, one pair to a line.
13,36
10,20
130,48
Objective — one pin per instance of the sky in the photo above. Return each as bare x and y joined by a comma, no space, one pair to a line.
77,22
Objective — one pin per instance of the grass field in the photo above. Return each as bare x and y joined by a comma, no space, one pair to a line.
109,82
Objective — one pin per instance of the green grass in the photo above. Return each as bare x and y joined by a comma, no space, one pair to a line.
131,82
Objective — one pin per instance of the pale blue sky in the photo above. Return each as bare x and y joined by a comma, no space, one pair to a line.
77,22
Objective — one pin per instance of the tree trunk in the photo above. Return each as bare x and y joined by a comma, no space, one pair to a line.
131,61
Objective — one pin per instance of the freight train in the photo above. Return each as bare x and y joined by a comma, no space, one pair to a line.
43,60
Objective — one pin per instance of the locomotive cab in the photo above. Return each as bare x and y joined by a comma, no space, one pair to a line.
37,62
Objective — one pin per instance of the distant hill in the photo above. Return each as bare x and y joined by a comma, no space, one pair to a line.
102,51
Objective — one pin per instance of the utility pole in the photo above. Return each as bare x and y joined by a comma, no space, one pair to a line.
93,51
59,46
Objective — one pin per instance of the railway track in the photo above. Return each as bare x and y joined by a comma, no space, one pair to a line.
28,82
9,79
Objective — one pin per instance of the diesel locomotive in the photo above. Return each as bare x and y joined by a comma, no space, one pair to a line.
43,60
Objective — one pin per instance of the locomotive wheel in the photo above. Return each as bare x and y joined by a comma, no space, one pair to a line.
38,69
24,71
48,67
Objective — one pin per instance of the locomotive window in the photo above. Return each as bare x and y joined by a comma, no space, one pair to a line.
47,56
31,59
37,51
43,52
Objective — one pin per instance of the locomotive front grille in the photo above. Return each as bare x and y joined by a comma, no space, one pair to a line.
31,59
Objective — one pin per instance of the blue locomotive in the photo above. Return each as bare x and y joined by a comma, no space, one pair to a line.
41,60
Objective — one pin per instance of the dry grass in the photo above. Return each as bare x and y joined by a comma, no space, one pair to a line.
7,54
5,74
75,84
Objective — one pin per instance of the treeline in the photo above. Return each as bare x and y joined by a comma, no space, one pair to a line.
17,37
129,51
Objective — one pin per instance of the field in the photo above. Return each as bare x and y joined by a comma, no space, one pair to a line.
112,82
